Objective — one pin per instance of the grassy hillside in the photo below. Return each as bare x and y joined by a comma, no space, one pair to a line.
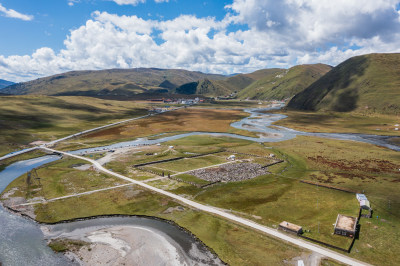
5,83
281,83
218,87
365,84
24,119
108,82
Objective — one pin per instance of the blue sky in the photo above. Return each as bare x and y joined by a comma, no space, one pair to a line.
45,37
53,19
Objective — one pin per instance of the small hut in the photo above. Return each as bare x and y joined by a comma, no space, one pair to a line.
345,226
291,228
364,202
361,197
231,157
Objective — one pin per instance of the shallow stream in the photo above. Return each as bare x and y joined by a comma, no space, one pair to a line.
22,242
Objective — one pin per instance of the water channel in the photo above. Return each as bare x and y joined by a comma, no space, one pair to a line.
22,241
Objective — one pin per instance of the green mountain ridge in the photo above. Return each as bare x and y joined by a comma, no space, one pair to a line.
130,82
224,87
280,84
366,84
109,82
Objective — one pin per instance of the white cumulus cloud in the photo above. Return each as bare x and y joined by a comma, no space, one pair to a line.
136,2
129,2
310,23
11,13
73,2
268,34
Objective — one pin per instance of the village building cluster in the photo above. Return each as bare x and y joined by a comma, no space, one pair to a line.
230,172
173,101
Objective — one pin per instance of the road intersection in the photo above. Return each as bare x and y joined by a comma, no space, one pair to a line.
214,211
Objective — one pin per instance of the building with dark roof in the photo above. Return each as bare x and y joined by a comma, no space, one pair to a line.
291,228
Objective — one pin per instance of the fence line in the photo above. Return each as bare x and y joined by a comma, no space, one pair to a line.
328,186
175,159
325,244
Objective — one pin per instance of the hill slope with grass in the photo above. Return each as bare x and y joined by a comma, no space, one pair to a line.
109,82
5,83
227,86
281,84
24,119
365,84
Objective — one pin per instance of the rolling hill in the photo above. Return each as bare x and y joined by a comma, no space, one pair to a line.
5,83
208,87
226,86
279,84
367,84
130,82
109,82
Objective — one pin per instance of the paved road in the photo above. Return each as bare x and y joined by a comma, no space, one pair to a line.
209,209
17,153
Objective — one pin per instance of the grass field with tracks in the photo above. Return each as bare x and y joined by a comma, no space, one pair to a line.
268,199
24,119
334,122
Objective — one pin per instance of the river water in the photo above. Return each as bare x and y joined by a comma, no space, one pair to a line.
22,242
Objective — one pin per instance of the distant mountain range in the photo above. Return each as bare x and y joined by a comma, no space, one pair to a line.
368,83
5,83
261,84
124,82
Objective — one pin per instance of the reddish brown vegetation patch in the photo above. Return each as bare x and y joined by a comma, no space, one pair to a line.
364,165
179,120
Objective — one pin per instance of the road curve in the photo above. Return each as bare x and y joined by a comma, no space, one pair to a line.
209,209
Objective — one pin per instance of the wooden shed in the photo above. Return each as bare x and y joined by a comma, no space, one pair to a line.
291,228
345,225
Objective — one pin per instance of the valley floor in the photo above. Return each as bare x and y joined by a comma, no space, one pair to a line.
267,199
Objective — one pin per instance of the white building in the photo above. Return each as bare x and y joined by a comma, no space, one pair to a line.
231,157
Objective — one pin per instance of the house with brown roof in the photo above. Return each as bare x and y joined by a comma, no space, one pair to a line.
345,225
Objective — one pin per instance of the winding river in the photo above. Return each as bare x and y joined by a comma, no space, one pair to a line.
22,241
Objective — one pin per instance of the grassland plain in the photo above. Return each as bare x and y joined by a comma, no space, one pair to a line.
264,196
346,164
182,120
360,167
24,119
189,164
234,244
60,178
267,199
335,122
